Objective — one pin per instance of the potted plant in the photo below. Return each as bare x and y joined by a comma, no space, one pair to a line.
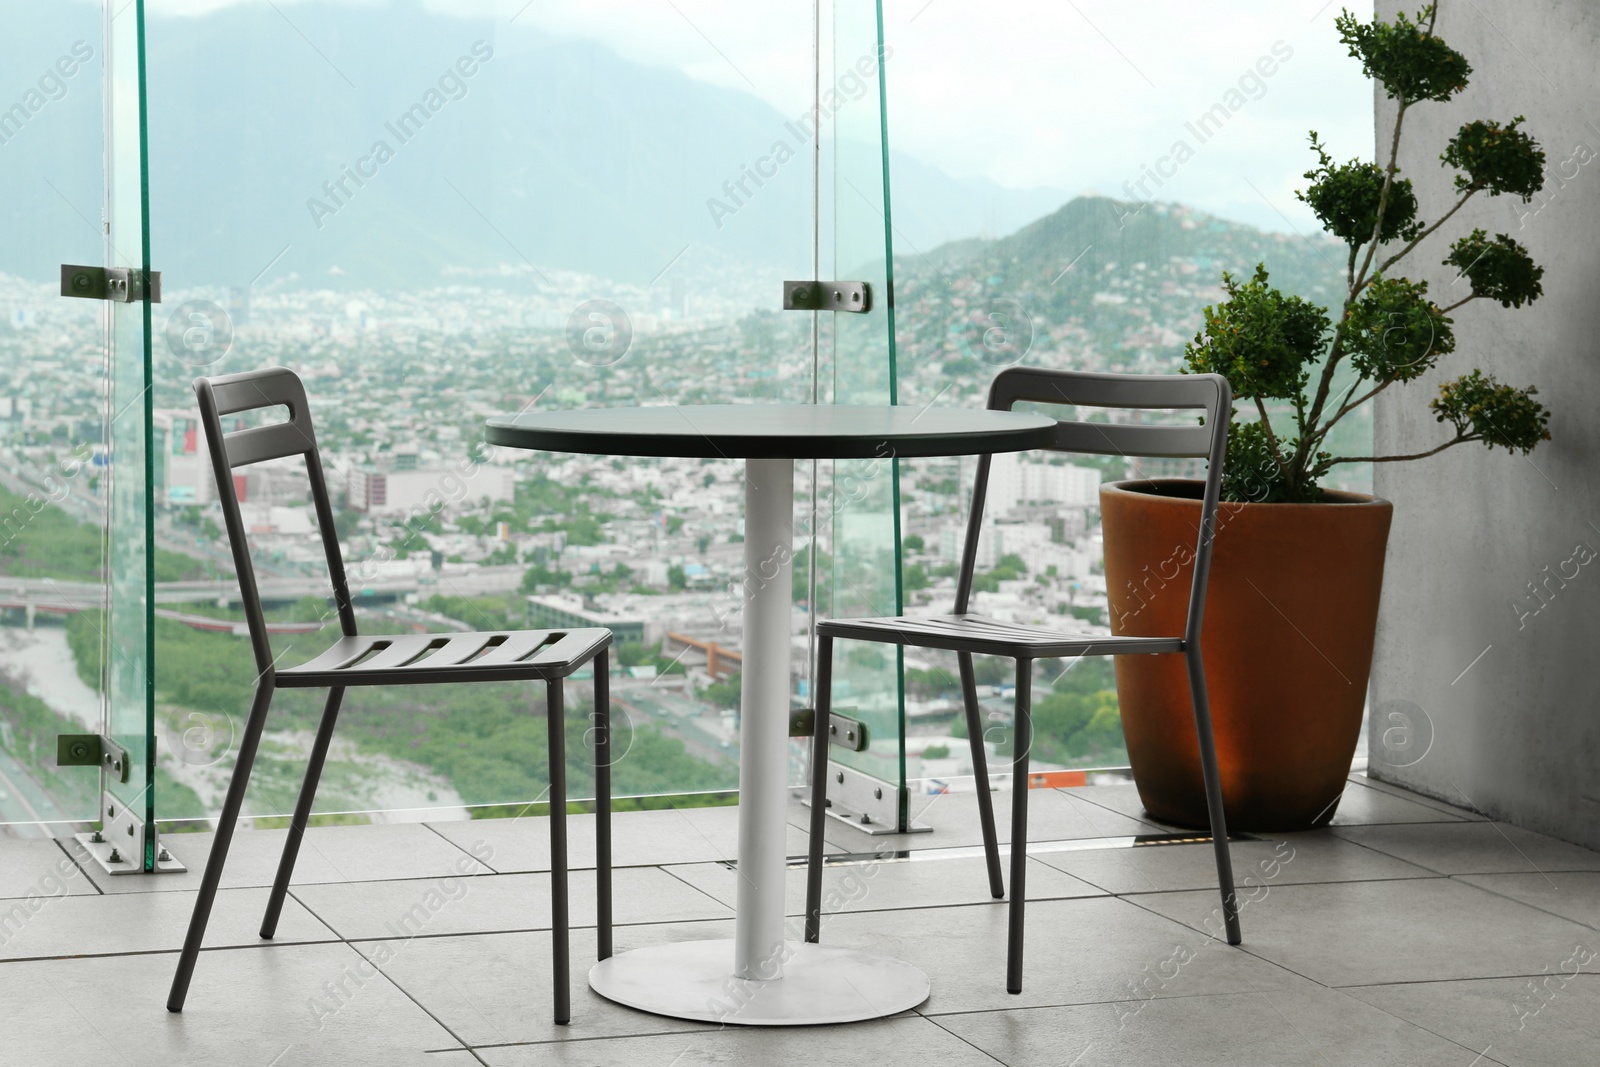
1297,569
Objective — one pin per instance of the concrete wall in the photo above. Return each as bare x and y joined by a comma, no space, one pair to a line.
1513,699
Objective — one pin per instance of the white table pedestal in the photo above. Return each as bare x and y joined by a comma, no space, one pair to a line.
759,978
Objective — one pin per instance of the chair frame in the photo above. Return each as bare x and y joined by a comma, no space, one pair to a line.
1208,393
274,387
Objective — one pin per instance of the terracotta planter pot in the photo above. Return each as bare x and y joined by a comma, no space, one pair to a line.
1287,643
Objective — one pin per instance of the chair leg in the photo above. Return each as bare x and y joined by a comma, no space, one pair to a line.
819,788
231,805
302,812
602,802
980,774
556,718
1022,741
1213,783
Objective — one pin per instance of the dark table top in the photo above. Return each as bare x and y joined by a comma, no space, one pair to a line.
773,431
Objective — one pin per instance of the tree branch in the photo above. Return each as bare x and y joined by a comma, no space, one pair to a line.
1272,440
1383,199
1458,303
1458,439
1336,350
1349,405
1392,260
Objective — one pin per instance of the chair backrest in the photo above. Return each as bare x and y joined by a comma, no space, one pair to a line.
1208,393
234,394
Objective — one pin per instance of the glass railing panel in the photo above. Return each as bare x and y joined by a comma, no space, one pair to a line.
440,218
53,463
131,551
858,509
1077,212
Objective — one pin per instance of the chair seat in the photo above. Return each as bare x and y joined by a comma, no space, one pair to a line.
990,637
417,659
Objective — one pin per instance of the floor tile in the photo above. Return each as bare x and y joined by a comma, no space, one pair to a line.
1369,933
1122,798
1095,949
39,867
244,1008
491,903
1545,1021
1274,1027
1314,856
1573,895
496,988
1363,805
1474,848
892,884
1459,810
327,854
902,1040
675,835
144,922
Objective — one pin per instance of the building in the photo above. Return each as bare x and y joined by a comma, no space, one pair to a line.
1015,480
182,466
570,612
389,492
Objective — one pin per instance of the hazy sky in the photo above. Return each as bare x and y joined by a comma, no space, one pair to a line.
1076,95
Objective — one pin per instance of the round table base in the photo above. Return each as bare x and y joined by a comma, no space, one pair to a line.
820,984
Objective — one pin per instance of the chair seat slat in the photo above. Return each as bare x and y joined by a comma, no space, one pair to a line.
478,656
960,631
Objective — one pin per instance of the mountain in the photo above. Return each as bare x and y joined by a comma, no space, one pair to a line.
553,151
1106,284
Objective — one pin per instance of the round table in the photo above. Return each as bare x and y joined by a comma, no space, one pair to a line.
759,978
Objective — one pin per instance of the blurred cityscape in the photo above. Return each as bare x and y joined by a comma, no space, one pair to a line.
443,532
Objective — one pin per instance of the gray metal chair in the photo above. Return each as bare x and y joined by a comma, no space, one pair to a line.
968,634
356,659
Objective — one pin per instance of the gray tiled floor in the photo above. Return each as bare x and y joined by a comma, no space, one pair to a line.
1407,932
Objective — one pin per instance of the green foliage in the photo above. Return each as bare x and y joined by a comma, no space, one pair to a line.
1078,721
634,654
1253,475
914,577
1395,333
39,540
1087,613
1404,57
913,543
1481,409
1259,339
488,741
1075,727
504,555
724,694
581,526
29,736
539,574
1007,568
1345,198
1500,159
1499,270
1386,332
800,576
936,752
480,613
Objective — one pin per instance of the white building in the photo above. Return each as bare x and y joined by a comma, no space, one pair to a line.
1015,479
381,492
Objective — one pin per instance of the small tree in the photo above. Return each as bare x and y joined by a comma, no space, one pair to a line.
1388,331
